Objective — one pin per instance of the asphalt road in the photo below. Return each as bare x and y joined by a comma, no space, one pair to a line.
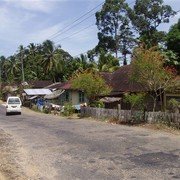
39,146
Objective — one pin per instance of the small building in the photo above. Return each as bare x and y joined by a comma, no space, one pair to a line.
66,94
121,83
38,84
31,95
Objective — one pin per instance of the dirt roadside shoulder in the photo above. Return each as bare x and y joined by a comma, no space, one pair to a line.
9,167
1,176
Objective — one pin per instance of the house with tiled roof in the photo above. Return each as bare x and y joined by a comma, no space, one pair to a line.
121,83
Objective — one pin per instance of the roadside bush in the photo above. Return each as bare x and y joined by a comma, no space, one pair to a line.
98,104
68,109
136,100
173,105
34,107
46,111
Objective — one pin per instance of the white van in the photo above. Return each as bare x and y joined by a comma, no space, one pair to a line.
13,105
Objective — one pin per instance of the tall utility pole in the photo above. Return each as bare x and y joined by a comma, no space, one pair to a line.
22,65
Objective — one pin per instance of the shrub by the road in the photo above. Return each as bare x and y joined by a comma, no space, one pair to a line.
68,109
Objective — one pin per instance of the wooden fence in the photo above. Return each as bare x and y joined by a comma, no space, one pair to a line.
172,119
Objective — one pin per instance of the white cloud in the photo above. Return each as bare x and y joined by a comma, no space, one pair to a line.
85,35
25,21
12,23
33,5
81,42
45,33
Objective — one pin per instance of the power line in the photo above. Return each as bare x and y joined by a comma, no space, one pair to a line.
62,30
80,54
88,50
75,33
70,25
73,26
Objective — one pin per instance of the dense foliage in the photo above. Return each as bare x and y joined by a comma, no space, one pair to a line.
91,83
173,45
121,30
135,100
149,70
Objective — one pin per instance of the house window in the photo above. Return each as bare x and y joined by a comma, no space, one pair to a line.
81,96
67,96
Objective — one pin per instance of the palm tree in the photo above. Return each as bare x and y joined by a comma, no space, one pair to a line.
52,59
2,61
49,60
13,69
107,62
34,58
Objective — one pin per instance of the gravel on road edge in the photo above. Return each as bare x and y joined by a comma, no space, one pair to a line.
9,168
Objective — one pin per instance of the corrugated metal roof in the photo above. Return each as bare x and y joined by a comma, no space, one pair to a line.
33,92
54,94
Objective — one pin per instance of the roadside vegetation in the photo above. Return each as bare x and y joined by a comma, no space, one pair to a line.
125,35
121,30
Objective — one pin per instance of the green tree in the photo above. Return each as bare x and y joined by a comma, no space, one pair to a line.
136,100
50,58
56,62
32,61
80,62
146,16
115,34
13,68
91,83
107,63
63,70
173,44
2,61
149,71
171,59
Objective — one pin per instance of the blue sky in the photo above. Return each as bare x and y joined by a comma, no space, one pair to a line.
26,21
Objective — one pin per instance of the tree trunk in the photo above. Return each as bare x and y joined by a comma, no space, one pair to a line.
125,60
161,100
154,103
116,42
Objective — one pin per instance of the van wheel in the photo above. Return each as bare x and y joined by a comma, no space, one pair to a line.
20,113
7,113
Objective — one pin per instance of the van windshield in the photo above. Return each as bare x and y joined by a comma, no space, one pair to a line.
14,101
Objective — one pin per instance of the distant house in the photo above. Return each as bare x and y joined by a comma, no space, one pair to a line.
173,93
37,84
65,93
121,83
30,96
37,92
9,89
